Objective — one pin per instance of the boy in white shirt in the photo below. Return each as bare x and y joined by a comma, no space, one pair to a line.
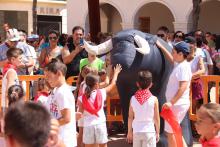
14,56
144,119
178,86
62,102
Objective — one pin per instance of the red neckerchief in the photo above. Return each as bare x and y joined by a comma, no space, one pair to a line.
215,142
142,96
167,115
92,108
40,94
7,67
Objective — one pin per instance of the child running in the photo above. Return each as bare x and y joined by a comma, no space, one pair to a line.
208,124
91,104
143,114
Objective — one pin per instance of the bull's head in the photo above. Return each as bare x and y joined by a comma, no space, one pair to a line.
143,46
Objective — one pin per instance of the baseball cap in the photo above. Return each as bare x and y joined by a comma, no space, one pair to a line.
13,35
33,37
190,40
182,46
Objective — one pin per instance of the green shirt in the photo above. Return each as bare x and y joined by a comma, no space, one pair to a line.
97,63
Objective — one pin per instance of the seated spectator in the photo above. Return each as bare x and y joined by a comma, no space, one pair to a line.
25,130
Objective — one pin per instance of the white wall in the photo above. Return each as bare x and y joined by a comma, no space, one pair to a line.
180,9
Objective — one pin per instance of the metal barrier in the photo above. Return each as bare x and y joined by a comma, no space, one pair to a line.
113,112
113,95
71,81
212,91
28,79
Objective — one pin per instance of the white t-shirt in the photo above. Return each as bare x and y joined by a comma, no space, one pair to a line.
43,100
143,115
194,64
206,58
181,72
88,118
63,99
4,86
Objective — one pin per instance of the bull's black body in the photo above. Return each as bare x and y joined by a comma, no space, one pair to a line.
124,53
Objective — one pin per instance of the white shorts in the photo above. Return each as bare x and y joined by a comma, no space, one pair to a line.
144,139
179,112
80,122
96,134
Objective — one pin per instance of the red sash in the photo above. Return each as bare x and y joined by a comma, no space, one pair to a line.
168,116
143,95
92,108
215,142
7,67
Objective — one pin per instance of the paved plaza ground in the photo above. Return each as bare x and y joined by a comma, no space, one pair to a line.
119,140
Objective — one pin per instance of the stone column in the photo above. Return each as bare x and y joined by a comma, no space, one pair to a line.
30,22
128,25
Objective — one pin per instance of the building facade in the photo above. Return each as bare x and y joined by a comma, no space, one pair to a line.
51,14
146,15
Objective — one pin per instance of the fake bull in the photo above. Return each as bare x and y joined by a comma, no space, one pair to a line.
135,51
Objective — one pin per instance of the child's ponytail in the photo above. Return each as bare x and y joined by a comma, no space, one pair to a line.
88,91
91,81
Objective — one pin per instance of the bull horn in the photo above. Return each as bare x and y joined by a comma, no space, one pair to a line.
143,45
98,49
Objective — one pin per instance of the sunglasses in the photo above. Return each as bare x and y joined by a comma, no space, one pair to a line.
178,36
53,38
160,35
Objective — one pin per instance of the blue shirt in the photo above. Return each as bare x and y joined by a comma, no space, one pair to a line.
3,51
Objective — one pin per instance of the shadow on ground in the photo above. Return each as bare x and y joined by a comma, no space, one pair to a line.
118,140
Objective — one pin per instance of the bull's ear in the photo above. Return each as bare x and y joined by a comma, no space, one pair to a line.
143,45
98,49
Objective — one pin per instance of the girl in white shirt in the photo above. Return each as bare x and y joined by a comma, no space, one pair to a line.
91,104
